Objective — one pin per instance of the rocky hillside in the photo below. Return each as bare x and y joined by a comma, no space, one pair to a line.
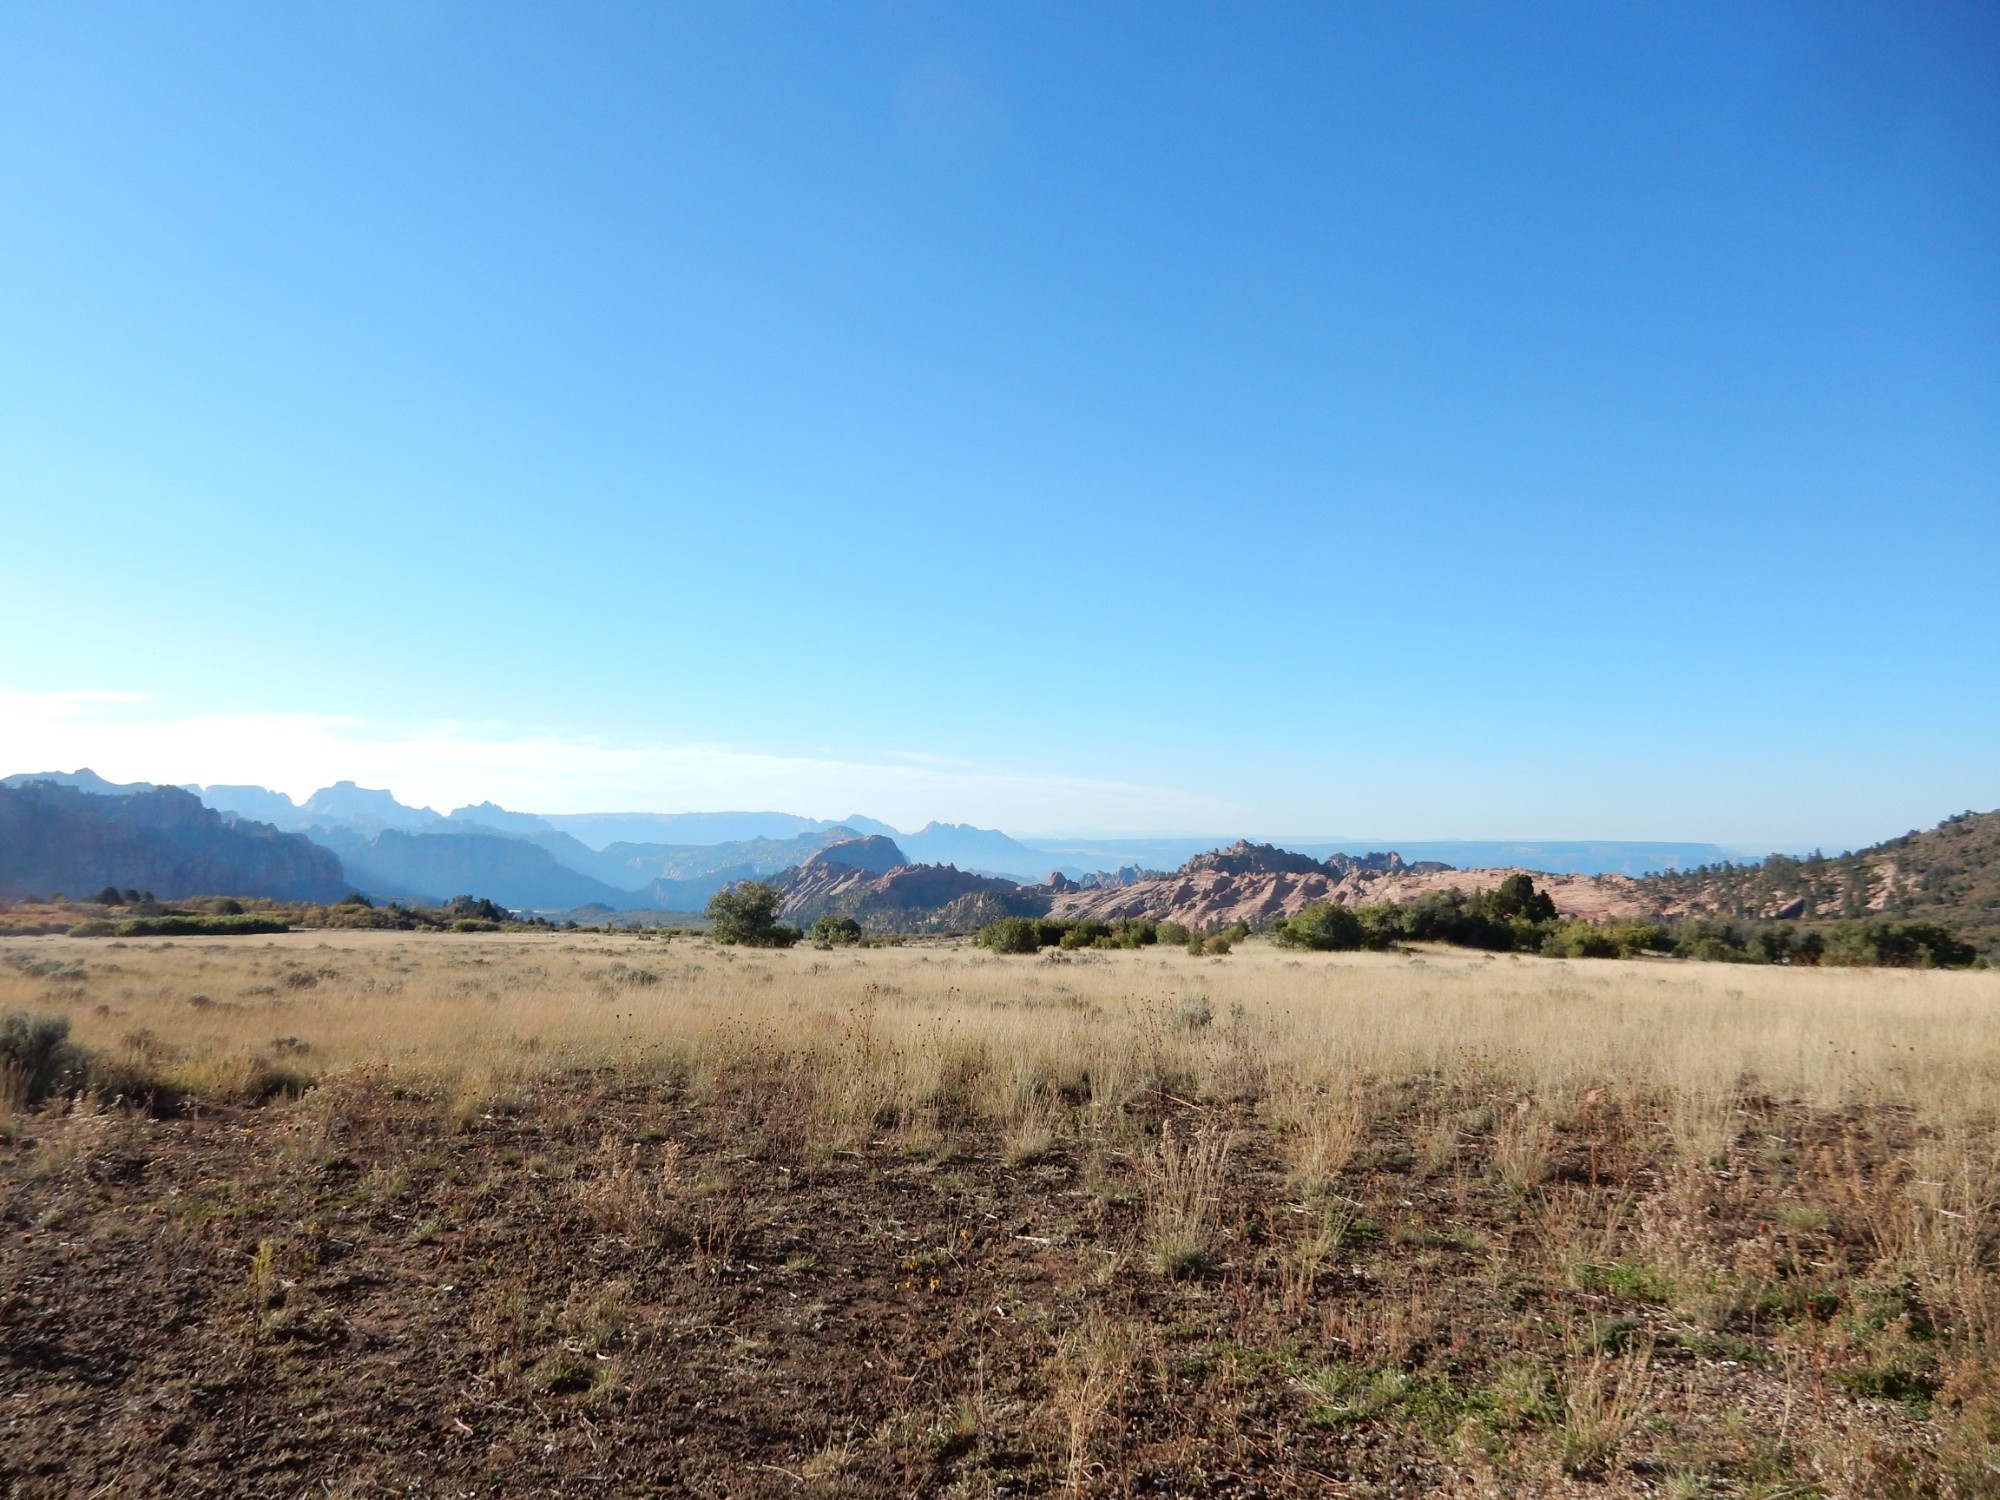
905,898
1257,883
163,840
1949,874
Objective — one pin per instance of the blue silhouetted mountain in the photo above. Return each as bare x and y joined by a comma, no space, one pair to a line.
62,838
600,830
492,815
982,849
511,871
84,780
345,805
256,802
342,805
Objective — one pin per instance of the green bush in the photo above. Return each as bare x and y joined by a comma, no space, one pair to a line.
747,913
195,926
1580,939
1901,945
1322,927
1516,896
474,924
478,908
1171,932
1011,935
37,1056
834,929
1087,933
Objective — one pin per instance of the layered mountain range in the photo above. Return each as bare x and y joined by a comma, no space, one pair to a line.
71,830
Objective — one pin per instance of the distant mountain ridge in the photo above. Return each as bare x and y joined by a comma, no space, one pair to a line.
56,837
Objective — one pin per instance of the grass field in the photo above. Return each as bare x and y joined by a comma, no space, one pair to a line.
554,1214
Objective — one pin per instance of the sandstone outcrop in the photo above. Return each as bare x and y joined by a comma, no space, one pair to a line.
1256,883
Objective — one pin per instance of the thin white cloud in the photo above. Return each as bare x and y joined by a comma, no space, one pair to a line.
129,737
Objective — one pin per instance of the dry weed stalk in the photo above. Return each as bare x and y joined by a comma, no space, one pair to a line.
1702,1124
627,1195
1090,1371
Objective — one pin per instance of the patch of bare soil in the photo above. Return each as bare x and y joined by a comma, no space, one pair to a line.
598,1288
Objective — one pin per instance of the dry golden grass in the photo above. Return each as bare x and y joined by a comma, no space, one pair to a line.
1603,1120
489,1011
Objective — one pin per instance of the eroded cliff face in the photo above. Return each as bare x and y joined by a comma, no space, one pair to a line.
57,838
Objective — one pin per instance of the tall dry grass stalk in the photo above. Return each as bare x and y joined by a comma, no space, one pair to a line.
1322,1130
1183,1186
1088,1375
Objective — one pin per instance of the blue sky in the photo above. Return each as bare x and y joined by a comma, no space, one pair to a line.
1440,421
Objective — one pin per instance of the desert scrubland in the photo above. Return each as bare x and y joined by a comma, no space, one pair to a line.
370,1213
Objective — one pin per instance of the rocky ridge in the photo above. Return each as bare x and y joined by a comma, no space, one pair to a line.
1256,883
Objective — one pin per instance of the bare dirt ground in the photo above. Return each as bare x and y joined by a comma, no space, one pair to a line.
936,1223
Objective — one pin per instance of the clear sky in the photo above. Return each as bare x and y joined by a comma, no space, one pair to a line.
1568,420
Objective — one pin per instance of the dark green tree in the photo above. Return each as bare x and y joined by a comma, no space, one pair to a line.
747,913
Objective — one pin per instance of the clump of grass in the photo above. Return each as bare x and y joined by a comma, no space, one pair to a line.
1321,1134
1520,1148
1604,1399
1183,1185
1301,1262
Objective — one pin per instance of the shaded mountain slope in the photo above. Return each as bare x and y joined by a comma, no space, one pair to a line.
511,871
163,840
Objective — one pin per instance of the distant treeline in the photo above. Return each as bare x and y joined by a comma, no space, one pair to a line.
1031,934
132,913
1515,917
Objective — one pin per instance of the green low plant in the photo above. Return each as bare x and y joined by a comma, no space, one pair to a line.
37,1057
